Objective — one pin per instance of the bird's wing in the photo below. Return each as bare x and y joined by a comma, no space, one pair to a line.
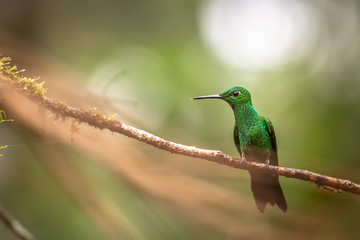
237,139
271,132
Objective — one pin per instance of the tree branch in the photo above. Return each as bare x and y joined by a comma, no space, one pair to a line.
98,120
34,90
14,225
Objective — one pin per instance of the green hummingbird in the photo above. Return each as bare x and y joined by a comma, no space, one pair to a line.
255,140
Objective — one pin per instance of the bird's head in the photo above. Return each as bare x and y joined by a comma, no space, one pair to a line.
234,96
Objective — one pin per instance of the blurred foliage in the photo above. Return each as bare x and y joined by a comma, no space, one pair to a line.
145,60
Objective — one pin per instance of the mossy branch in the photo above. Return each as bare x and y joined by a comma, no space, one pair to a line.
92,117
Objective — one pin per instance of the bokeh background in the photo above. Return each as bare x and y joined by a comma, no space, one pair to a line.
144,60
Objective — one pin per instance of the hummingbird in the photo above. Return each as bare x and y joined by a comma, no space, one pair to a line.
255,140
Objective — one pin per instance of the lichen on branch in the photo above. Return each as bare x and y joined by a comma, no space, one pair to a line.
29,86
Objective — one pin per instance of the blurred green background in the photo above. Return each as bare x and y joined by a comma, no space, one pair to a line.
144,60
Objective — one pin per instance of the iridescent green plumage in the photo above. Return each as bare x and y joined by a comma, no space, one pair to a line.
255,140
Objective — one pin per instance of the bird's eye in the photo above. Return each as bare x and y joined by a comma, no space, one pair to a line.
236,93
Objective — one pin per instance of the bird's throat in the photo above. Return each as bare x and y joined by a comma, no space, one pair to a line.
245,116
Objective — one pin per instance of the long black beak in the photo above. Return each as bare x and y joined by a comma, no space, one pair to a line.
208,96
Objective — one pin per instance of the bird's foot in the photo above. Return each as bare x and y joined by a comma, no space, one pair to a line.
267,162
243,159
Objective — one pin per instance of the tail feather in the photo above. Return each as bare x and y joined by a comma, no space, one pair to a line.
267,189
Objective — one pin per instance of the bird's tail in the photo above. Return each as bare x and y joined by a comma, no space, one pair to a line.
267,189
